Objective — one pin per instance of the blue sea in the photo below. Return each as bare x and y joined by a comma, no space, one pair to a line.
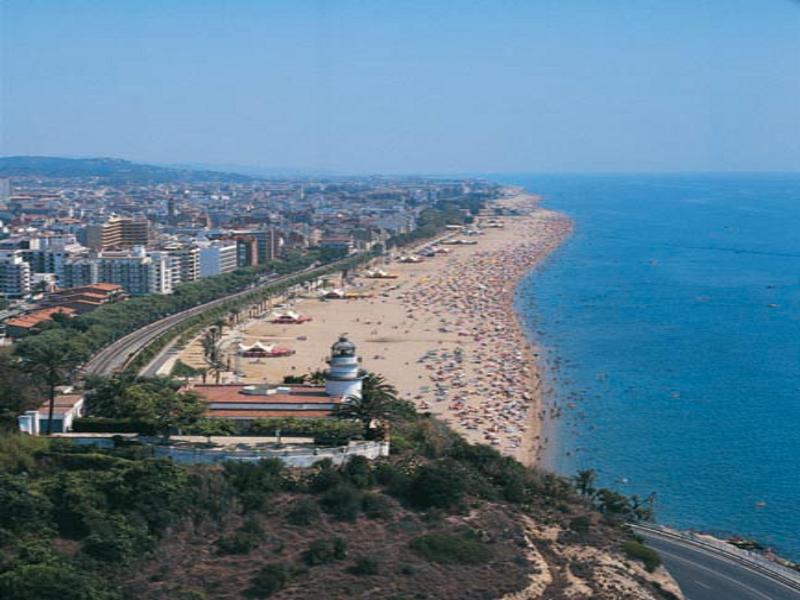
671,327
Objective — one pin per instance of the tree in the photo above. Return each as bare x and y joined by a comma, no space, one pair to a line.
378,402
584,482
157,400
17,392
211,353
52,361
610,502
316,377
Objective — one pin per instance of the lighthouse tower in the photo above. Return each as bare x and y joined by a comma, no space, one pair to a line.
344,376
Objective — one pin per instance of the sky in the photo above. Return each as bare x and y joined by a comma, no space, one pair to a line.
402,86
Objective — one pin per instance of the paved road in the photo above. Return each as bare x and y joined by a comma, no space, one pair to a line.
705,575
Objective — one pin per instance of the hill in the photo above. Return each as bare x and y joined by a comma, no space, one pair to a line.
439,519
109,170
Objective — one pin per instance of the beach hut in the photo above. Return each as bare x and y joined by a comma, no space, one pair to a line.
259,350
288,317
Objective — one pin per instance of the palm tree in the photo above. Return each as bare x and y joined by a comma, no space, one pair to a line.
53,362
316,377
211,353
377,402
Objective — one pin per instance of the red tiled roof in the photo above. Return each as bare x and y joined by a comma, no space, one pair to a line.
109,287
32,319
266,414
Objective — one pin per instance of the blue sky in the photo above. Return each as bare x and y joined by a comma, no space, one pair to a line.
407,86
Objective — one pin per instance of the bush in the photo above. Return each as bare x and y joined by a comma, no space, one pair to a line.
364,566
240,542
324,479
580,524
108,425
116,539
245,539
255,481
343,502
270,579
326,432
393,478
636,551
440,485
305,512
323,551
51,581
450,549
376,506
359,472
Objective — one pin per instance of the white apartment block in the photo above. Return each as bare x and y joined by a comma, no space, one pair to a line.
216,259
15,275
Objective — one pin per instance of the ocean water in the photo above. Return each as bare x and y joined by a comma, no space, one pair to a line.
671,322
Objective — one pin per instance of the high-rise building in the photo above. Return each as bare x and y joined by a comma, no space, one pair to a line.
269,244
118,232
246,251
80,272
15,275
217,258
188,263
135,271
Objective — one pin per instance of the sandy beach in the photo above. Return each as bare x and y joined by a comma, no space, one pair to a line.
444,331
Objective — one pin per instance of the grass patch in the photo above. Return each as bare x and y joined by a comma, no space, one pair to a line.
637,551
450,549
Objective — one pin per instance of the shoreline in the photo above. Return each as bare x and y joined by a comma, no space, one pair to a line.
445,331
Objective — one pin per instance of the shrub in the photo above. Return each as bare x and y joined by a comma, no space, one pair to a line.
44,581
116,539
343,502
240,542
393,478
254,481
364,566
377,506
440,485
324,551
111,425
270,579
580,524
326,478
450,549
636,551
305,512
359,472
325,432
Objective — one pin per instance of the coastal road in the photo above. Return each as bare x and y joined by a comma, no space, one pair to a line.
704,573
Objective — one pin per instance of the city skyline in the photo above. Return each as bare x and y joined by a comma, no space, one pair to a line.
350,87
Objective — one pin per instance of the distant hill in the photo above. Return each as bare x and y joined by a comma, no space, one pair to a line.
112,170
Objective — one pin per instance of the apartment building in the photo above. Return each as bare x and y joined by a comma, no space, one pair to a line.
118,232
217,258
15,274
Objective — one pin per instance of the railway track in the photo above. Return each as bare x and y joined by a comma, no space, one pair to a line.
120,352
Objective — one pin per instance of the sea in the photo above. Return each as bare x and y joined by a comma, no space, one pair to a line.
670,328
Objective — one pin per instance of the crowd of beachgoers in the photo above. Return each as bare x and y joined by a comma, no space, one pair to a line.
490,384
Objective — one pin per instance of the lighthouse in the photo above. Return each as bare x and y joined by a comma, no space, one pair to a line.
344,376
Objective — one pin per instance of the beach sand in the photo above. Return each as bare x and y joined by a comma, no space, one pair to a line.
444,332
